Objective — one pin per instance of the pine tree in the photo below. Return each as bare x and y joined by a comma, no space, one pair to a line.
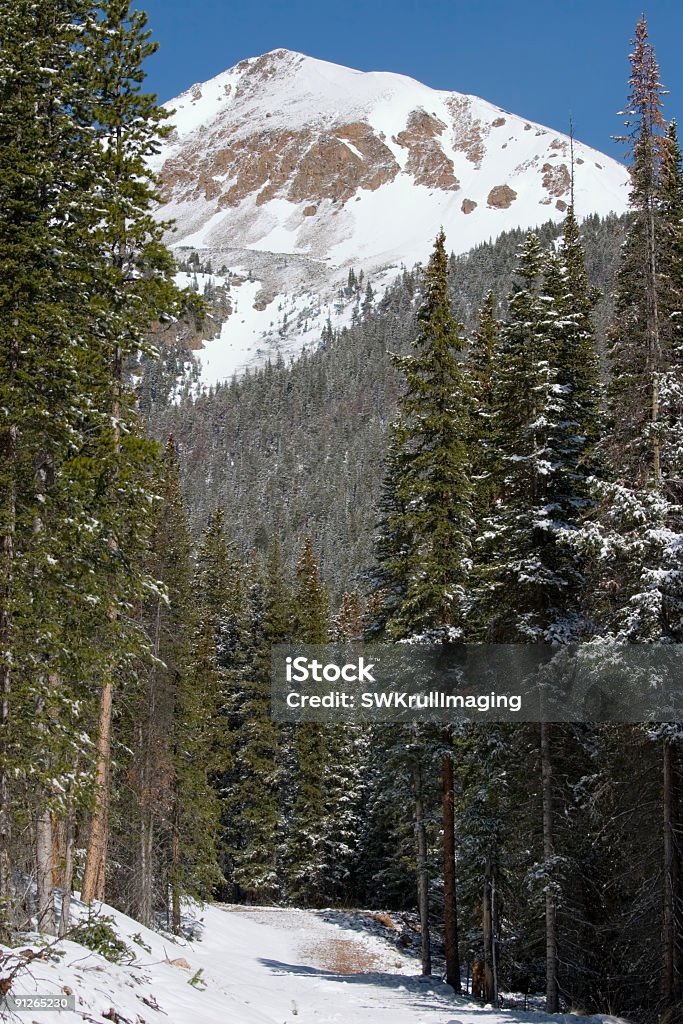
258,770
306,854
135,288
546,422
220,651
49,383
424,545
175,726
637,351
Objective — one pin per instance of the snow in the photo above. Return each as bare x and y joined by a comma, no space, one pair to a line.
257,966
237,344
393,225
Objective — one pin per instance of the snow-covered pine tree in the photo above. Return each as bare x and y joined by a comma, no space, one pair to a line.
258,769
530,577
133,288
424,544
306,848
42,156
219,652
425,536
636,536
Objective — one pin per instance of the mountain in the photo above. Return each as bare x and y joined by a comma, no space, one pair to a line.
288,171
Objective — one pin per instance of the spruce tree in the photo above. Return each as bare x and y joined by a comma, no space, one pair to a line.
49,385
425,540
306,851
255,790
134,288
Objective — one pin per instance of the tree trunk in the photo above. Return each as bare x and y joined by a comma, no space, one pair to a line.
144,911
96,857
68,874
450,907
175,871
44,882
490,994
671,930
422,871
551,988
6,895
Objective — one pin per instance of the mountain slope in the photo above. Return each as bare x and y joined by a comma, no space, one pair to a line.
292,170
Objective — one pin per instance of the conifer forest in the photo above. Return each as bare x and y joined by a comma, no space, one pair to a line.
492,452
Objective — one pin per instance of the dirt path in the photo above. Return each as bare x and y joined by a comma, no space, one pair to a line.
321,945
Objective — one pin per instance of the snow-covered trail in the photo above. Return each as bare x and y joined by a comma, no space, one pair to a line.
251,966
314,970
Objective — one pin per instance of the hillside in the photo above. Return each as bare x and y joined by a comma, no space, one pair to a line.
298,449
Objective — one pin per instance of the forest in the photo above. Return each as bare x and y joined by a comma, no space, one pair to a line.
491,453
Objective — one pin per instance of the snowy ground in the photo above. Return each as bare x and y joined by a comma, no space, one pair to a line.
254,966
274,313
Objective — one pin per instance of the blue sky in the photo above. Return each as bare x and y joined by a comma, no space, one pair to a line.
546,61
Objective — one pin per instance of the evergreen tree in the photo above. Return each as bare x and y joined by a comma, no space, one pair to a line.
256,788
134,287
638,347
175,726
221,647
425,540
306,853
424,547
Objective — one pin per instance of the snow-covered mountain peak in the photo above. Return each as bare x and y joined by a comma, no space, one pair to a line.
289,165
288,153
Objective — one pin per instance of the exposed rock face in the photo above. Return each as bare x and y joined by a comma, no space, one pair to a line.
501,197
468,131
556,179
298,166
287,154
427,162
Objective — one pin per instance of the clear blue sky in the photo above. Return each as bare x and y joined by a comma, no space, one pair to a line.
545,61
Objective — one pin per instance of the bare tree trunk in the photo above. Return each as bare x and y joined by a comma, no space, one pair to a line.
450,907
44,881
422,871
144,911
45,838
175,871
551,990
68,874
94,875
96,857
671,930
6,895
490,994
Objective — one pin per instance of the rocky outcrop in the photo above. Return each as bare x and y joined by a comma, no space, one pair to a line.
501,197
427,162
